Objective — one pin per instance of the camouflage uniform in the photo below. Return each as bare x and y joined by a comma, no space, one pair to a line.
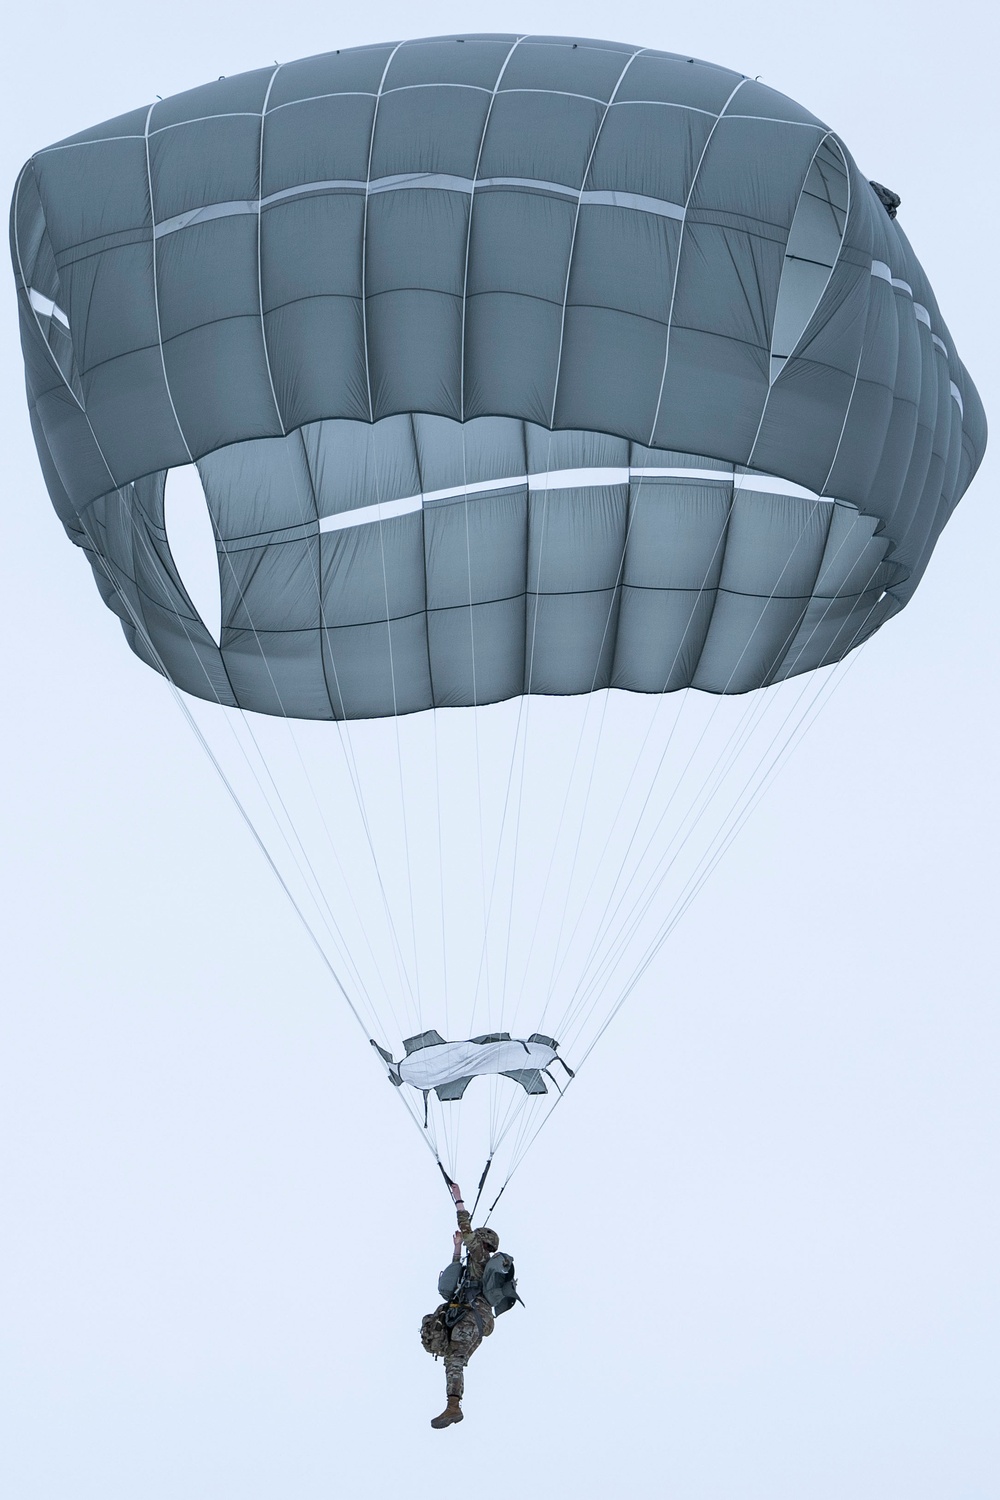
465,1336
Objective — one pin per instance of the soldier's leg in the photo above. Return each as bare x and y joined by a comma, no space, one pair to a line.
454,1375
465,1339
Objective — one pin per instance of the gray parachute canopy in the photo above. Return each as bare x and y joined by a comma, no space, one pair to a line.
508,365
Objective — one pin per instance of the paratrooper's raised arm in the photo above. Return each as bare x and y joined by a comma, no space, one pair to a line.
464,1218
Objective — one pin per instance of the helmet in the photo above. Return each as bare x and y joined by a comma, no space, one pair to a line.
489,1239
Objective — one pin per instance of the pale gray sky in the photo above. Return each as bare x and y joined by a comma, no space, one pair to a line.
759,1245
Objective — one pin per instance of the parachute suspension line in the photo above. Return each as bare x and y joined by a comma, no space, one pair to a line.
557,963
632,507
406,849
318,891
828,688
183,436
641,903
523,717
199,735
317,885
521,1115
540,904
522,711
516,844
803,726
503,820
521,1148
440,847
677,841
350,760
606,920
556,971
395,719
485,967
799,732
443,987
346,744
517,1106
600,971
749,795
730,751
721,833
475,726
497,1101
307,515
333,931
425,1135
526,700
611,913
493,1084
516,1110
140,627
807,719
446,1117
310,513
319,894
285,827
592,990
685,698
713,857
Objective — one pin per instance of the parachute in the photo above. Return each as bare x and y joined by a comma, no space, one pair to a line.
497,442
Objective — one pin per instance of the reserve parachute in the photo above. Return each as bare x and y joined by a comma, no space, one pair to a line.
497,442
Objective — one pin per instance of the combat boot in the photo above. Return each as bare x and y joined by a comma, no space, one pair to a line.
452,1413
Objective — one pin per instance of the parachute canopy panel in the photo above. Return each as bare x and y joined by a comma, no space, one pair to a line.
508,365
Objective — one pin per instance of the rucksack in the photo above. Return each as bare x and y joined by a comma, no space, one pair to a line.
433,1333
500,1283
448,1281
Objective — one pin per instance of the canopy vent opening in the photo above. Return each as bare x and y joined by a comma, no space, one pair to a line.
191,539
814,241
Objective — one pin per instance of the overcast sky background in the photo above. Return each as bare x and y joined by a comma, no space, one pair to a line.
759,1246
